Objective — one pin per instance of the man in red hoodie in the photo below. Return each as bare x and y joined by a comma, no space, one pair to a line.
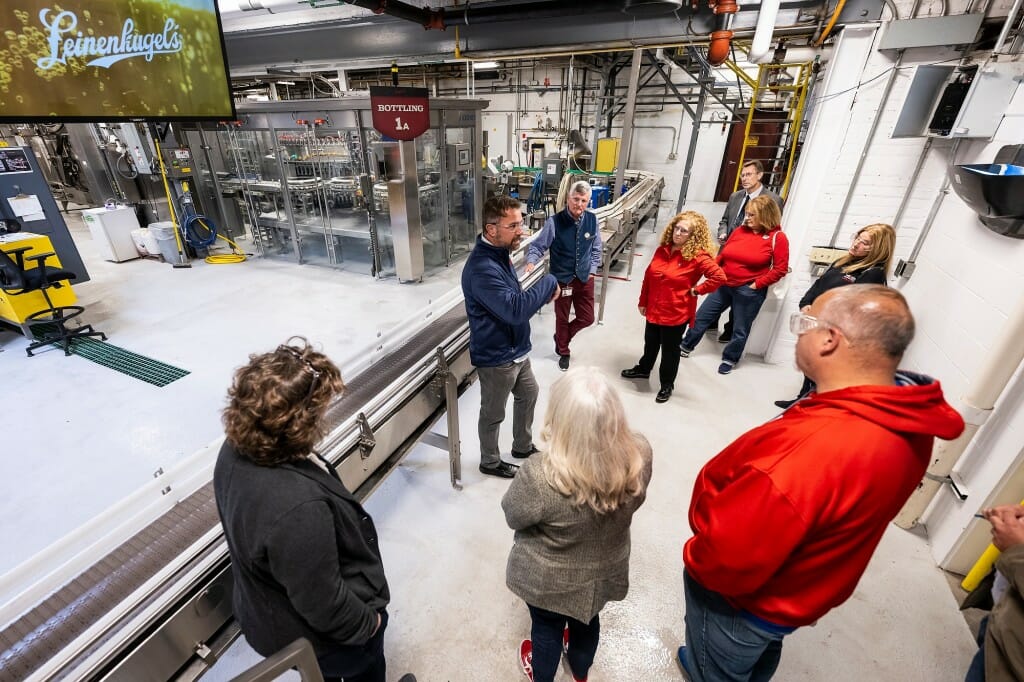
786,518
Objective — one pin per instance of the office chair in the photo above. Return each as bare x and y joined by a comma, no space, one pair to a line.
50,324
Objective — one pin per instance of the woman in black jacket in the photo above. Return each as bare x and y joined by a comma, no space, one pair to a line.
304,552
867,262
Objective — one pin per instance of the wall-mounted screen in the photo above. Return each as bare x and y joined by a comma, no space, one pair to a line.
109,60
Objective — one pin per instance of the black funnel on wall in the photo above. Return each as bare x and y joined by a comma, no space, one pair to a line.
995,190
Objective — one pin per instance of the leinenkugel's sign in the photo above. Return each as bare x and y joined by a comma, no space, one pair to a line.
400,113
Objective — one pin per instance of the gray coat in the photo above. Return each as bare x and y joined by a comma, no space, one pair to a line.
567,559
731,219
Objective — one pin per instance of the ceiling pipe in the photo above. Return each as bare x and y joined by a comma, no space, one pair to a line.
721,37
468,15
763,33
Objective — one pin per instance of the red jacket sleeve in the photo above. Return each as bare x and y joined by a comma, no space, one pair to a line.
643,288
780,262
741,542
714,276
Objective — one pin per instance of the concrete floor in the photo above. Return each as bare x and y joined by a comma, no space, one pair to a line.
444,551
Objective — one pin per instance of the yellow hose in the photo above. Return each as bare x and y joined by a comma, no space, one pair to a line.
831,23
237,256
981,567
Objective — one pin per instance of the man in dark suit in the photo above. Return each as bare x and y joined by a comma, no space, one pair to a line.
750,182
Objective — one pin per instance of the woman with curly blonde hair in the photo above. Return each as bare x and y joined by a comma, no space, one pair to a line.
304,552
668,297
571,507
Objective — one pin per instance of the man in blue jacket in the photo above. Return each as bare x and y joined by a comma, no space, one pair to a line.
575,242
499,312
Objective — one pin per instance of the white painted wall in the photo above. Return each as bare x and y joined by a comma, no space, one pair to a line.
967,281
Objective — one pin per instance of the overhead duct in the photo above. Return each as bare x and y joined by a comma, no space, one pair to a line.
763,33
651,8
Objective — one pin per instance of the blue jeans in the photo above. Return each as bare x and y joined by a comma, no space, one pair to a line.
357,662
976,673
745,303
724,644
546,636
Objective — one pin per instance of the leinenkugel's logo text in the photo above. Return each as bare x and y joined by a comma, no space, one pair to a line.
105,50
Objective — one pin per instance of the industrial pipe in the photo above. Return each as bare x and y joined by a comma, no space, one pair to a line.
721,37
1002,361
763,33
1006,27
831,23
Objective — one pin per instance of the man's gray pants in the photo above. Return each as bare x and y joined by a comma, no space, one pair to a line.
495,385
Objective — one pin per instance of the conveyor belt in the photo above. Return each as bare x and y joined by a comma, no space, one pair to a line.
363,388
50,627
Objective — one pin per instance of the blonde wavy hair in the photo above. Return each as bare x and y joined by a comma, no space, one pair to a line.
700,235
883,244
593,456
276,403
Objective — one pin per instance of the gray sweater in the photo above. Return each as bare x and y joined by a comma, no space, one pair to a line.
565,558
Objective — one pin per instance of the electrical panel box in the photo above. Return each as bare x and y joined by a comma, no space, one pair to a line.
553,170
459,157
973,103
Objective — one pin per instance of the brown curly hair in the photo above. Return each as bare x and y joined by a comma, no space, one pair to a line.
277,402
700,235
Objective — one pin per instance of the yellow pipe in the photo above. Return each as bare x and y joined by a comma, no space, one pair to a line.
981,567
458,50
831,23
741,73
170,201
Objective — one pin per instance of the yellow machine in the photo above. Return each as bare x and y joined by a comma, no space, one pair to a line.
16,308
607,154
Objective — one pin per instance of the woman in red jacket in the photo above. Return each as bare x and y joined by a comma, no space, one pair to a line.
755,256
668,298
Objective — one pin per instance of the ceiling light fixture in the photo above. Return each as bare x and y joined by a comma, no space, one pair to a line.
477,66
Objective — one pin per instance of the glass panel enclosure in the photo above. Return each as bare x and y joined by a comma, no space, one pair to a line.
309,180
253,177
428,171
462,178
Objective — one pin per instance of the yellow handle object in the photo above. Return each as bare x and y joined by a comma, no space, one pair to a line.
981,567
170,201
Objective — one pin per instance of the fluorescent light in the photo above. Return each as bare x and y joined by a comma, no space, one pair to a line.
286,82
485,65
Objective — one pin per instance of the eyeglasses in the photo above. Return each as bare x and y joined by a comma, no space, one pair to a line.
750,216
314,372
801,323
862,241
681,228
513,226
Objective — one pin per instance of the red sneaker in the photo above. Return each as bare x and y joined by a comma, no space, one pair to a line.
526,658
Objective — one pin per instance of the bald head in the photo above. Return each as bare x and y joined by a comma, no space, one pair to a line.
875,319
859,339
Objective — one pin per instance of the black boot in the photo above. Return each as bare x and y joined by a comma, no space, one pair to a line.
635,372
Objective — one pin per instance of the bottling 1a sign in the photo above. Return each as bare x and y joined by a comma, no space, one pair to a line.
400,113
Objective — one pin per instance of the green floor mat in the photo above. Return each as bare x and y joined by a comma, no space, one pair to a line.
124,361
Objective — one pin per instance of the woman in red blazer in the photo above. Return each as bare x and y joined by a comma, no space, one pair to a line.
668,298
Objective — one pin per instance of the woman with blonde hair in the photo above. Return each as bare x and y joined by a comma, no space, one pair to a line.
304,553
867,262
754,257
668,297
571,507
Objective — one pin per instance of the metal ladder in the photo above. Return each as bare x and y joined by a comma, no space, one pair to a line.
779,96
